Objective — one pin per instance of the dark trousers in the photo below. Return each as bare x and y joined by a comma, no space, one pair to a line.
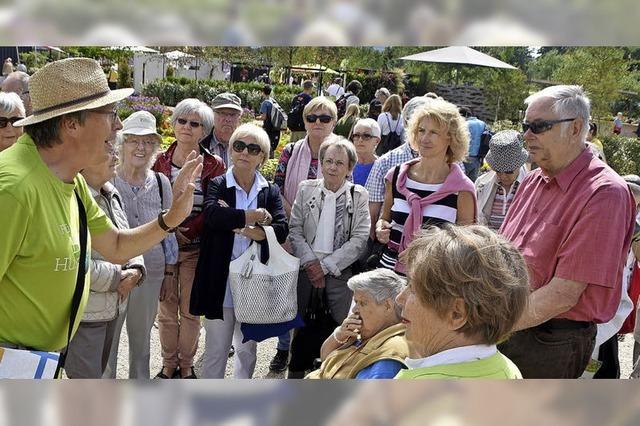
274,139
557,349
608,354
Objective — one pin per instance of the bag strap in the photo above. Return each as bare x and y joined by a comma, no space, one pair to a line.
160,190
80,281
353,190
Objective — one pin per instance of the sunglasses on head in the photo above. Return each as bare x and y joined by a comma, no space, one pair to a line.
252,148
541,126
312,118
193,124
4,121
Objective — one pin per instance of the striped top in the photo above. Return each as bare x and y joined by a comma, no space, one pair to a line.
501,205
440,212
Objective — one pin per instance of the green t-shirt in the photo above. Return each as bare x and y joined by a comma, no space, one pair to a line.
497,366
40,248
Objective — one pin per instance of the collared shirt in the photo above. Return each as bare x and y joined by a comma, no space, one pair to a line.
575,226
453,356
220,149
375,181
244,201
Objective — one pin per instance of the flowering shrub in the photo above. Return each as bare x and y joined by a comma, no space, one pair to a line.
144,103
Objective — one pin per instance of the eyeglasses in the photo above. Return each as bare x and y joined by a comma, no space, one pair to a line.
113,113
330,162
541,126
252,148
193,124
4,121
312,118
146,143
364,136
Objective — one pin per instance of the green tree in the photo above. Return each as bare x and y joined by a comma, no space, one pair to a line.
600,70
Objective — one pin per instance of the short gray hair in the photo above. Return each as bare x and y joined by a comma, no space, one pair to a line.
569,100
335,140
194,106
11,102
413,105
20,76
381,284
368,123
255,132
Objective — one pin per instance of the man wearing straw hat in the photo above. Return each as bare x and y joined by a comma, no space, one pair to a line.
42,196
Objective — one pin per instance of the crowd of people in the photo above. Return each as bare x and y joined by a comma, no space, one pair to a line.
413,262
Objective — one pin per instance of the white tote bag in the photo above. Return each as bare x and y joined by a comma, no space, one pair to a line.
265,293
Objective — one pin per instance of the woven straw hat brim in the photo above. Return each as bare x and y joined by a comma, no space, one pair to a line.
109,98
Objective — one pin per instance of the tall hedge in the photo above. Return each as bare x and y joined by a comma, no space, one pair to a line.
172,90
623,154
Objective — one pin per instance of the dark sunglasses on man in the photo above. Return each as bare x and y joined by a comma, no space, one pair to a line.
4,121
193,124
252,148
541,126
312,118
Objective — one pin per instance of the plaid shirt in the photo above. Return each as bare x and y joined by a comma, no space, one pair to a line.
375,181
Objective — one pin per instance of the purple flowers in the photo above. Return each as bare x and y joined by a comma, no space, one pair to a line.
142,103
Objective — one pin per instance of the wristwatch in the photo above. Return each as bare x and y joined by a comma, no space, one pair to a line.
162,224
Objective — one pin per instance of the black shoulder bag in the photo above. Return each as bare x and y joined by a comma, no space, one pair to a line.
80,280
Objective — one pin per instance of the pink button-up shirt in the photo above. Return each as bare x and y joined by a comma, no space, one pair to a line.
576,226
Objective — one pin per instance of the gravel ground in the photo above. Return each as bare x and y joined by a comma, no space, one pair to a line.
267,349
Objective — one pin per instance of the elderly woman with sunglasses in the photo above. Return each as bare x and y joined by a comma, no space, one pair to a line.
236,205
143,195
329,229
365,137
299,160
11,110
192,121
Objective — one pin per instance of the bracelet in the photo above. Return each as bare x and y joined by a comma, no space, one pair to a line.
162,223
335,337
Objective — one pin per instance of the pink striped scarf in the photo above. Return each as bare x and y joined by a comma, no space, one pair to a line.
298,169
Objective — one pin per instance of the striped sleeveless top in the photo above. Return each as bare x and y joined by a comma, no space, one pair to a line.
440,212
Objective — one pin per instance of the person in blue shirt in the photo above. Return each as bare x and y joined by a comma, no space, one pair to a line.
265,115
476,127
365,137
370,342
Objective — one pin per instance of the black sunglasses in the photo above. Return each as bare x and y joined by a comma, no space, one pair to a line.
254,149
541,126
4,121
312,118
193,124
363,136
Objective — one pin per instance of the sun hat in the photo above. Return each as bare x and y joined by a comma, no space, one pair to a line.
69,85
226,100
140,123
506,153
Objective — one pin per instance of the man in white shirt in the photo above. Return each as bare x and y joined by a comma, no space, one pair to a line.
335,89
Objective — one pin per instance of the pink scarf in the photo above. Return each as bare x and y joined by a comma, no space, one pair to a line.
298,169
455,182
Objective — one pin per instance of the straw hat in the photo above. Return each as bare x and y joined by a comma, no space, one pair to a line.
69,85
506,153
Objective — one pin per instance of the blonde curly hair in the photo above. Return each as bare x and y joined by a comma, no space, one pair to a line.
446,115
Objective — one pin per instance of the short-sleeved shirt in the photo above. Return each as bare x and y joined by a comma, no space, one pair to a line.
395,157
575,226
476,127
40,248
265,108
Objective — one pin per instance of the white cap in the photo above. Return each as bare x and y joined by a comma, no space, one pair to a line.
140,123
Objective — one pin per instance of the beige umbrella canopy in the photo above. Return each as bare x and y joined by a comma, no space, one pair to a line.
459,55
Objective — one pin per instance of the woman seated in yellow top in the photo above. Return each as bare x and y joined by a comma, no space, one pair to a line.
467,288
370,343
